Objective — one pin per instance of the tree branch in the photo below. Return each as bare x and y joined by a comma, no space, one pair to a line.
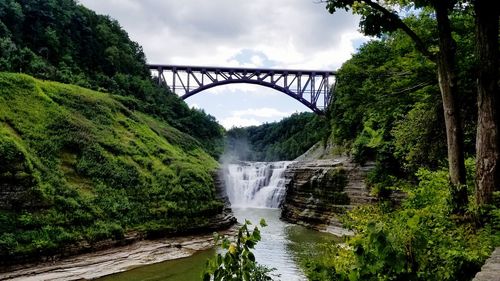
406,29
412,88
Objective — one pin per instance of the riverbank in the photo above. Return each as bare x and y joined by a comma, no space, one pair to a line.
114,260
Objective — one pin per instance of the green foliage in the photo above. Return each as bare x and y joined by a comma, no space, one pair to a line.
77,165
375,90
419,241
63,41
366,144
387,106
283,140
411,145
238,261
51,33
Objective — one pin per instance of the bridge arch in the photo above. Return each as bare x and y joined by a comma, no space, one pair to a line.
261,83
309,87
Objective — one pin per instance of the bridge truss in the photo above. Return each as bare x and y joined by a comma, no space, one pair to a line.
311,88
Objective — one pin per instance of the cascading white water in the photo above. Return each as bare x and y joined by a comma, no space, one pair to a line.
256,184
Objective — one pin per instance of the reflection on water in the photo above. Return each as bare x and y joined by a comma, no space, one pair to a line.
281,246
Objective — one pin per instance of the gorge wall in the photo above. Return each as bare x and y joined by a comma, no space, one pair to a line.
319,190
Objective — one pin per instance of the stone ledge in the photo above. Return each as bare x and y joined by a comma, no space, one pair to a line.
491,269
98,264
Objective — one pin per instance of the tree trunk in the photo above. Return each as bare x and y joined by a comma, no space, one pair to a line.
449,92
487,138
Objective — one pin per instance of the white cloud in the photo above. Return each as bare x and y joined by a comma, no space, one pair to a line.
252,116
261,112
212,32
237,121
257,60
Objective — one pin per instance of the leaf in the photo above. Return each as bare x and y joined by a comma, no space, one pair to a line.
353,276
238,262
225,244
413,222
256,234
251,256
250,244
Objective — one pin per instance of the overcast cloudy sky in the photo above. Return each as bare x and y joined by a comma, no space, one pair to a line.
295,34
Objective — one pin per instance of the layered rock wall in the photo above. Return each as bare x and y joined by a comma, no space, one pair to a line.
319,190
224,219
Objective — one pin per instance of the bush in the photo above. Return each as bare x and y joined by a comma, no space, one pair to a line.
238,262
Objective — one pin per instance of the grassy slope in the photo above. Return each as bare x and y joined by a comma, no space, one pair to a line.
80,166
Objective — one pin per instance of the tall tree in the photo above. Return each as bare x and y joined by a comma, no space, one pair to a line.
488,135
378,17
448,85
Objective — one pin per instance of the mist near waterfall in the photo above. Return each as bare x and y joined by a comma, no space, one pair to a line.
235,150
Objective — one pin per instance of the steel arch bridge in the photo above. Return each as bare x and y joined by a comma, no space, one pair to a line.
311,88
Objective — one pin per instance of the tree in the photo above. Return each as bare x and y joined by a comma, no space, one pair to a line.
378,17
488,135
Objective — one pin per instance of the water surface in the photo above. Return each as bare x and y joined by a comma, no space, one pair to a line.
185,269
281,246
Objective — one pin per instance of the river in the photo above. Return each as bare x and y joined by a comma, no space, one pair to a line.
255,191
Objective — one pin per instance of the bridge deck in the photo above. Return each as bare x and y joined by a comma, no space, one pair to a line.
239,69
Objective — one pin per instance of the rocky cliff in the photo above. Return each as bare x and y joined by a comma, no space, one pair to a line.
319,190
225,218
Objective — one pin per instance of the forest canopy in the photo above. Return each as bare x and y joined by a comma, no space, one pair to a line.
283,140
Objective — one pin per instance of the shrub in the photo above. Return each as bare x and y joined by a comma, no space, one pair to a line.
238,261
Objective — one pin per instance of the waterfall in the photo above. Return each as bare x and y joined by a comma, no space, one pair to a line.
256,184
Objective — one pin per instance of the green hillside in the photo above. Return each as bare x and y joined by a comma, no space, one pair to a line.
78,165
61,40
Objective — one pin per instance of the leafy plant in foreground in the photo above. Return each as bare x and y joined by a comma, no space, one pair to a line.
238,261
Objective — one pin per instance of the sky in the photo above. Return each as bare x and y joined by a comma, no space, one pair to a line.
285,34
